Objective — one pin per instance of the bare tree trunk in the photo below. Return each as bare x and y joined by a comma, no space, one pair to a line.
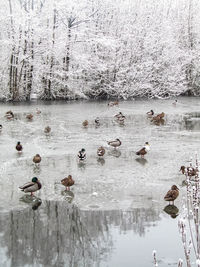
13,73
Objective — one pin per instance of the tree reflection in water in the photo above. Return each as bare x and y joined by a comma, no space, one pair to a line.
59,234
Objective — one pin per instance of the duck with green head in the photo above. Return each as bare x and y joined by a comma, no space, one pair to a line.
32,186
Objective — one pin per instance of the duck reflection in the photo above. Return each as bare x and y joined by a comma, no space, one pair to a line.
142,161
159,122
35,201
59,234
172,210
68,195
115,153
36,169
101,161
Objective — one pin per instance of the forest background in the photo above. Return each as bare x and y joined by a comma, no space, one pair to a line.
64,49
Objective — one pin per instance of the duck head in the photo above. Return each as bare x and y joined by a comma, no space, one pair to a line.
34,179
174,187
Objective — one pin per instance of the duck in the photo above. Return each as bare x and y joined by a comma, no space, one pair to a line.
81,154
1,127
67,182
119,115
32,186
182,169
38,111
161,115
150,113
101,151
115,143
29,117
97,121
9,115
121,120
37,159
19,147
113,103
143,150
85,123
47,129
172,194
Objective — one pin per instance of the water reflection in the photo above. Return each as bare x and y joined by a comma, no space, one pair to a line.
33,200
172,210
191,121
142,161
68,195
59,234
115,153
101,161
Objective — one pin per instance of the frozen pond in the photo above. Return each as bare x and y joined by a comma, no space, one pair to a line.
114,215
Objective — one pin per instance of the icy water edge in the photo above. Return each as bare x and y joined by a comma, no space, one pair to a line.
114,215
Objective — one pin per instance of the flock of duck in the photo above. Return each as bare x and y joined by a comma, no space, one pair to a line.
35,185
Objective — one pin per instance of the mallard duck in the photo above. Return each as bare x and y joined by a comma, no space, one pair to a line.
37,159
150,113
85,123
47,129
29,117
19,147
113,103
144,150
31,186
81,154
172,194
101,151
115,143
119,115
121,120
97,121
67,182
9,115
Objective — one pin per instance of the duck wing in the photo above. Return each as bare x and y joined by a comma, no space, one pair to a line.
141,151
171,195
26,185
32,188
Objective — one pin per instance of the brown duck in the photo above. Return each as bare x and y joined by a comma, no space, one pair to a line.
47,129
172,194
37,158
144,150
29,117
67,182
19,147
182,169
85,123
114,103
101,151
